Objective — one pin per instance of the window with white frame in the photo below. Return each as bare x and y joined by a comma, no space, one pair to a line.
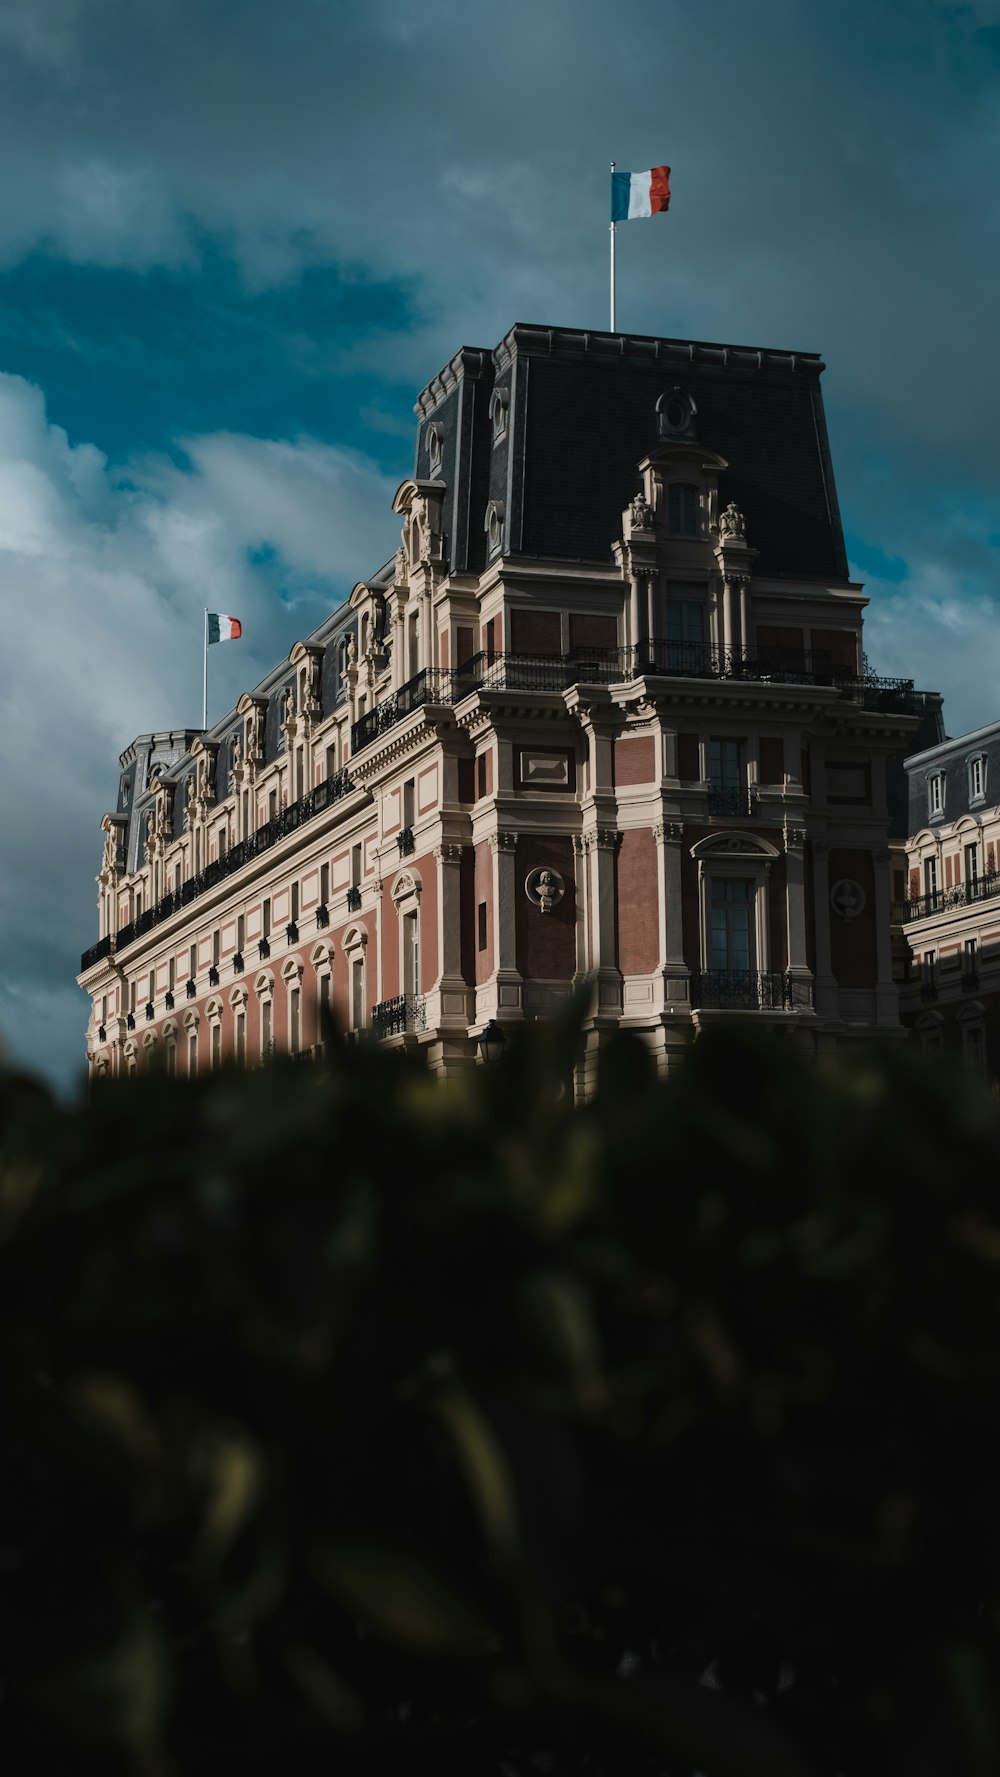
406,900
733,873
930,879
972,866
264,989
191,1035
322,962
238,1007
355,940
292,976
935,794
977,777
213,1012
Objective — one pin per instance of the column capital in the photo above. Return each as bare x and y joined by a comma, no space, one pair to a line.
448,854
503,841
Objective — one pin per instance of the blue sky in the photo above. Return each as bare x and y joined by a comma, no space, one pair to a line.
236,239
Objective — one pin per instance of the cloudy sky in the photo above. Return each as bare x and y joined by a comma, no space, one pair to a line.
236,238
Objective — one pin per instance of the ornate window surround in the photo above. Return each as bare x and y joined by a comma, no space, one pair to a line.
741,855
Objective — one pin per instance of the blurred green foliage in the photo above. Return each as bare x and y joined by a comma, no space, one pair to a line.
353,1422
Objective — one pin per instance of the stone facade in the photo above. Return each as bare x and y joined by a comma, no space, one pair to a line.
947,905
605,715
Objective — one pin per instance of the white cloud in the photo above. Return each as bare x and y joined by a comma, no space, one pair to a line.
103,582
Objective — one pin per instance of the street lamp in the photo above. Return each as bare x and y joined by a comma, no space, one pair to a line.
491,1042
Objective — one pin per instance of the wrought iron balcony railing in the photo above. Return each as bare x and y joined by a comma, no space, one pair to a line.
312,803
748,990
731,801
491,671
405,842
391,1018
354,899
964,894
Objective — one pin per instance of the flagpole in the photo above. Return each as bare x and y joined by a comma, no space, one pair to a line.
612,251
204,682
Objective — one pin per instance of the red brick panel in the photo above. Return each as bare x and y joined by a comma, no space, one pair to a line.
852,942
777,914
546,942
688,758
536,632
638,903
592,632
635,759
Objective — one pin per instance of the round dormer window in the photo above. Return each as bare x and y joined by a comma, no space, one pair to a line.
675,414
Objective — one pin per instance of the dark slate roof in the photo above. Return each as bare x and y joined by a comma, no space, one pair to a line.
582,415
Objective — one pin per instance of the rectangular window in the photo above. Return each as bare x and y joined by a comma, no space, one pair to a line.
935,793
216,946
972,867
294,1032
682,509
685,622
411,954
295,903
408,802
355,866
240,932
265,918
930,878
272,804
732,900
170,974
324,884
482,925
192,1054
724,765
358,994
265,1029
151,995
220,844
977,778
216,1046
171,1054
481,776
241,1039
193,961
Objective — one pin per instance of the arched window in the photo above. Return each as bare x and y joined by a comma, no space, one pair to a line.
170,1048
292,976
682,509
355,940
264,989
191,1037
406,900
322,962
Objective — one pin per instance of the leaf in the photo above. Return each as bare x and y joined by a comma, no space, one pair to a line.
484,1463
403,1599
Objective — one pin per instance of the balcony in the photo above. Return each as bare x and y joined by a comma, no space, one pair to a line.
964,894
730,802
747,990
311,804
354,899
406,842
393,1018
614,666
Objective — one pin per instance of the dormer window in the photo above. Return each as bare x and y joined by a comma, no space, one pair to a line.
494,526
682,509
935,794
499,403
675,414
435,448
977,777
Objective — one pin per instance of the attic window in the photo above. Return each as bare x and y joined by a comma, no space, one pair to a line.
499,403
682,509
435,448
494,526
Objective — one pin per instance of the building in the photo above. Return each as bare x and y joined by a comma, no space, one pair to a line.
948,911
605,714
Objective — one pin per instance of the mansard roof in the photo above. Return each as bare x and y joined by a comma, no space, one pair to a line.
580,413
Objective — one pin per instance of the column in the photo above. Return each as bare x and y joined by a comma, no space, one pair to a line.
799,973
603,937
506,976
669,837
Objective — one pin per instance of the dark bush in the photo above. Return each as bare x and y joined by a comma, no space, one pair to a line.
350,1422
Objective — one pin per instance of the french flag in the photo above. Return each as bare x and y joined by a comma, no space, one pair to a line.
639,194
223,629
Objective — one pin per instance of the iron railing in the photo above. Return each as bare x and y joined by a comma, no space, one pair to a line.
731,801
491,671
748,990
309,805
391,1018
964,894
